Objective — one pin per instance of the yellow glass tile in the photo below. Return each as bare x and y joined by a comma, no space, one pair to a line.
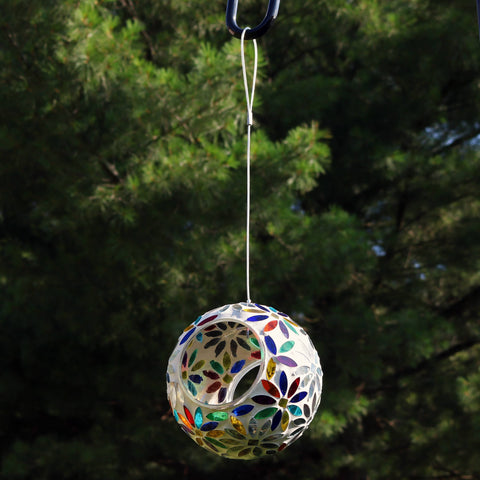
237,425
271,367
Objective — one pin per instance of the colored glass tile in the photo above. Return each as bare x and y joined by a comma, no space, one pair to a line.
298,397
271,367
219,348
209,426
222,393
283,383
269,445
188,414
233,347
244,452
262,307
266,413
187,336
299,421
271,388
187,329
212,375
283,402
191,388
217,416
184,359
291,327
196,378
213,333
214,387
234,434
222,325
237,366
198,365
263,400
270,326
254,342
198,417
287,346
285,420
293,387
257,451
227,361
192,358
257,354
289,362
243,343
284,330
217,367
270,344
227,378
212,342
199,337
276,419
185,421
215,434
306,410
215,442
252,427
257,318
253,310
238,425
208,319
295,410
242,410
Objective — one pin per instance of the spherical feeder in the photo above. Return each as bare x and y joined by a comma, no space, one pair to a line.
244,381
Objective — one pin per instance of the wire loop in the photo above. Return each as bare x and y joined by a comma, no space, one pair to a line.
249,97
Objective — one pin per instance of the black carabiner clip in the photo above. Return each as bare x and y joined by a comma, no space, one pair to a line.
259,30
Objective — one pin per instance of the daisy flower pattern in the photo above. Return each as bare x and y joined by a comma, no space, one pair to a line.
244,381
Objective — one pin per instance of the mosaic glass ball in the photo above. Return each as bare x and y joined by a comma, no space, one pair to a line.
244,381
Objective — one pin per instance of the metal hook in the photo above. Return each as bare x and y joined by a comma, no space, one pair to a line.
259,30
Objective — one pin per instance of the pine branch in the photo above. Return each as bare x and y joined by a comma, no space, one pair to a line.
389,381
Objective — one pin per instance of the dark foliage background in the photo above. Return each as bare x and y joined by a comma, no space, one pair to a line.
122,137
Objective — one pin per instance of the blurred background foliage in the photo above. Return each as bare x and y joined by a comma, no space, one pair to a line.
122,192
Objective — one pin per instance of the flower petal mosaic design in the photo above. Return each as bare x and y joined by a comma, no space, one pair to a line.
244,381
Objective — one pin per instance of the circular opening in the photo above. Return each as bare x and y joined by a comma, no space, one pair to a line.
221,362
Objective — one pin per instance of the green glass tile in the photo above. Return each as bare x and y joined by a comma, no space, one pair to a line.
254,342
215,442
266,413
192,358
227,361
217,367
198,365
287,346
217,416
227,378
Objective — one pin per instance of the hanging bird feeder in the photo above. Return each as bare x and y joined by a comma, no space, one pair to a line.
244,380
